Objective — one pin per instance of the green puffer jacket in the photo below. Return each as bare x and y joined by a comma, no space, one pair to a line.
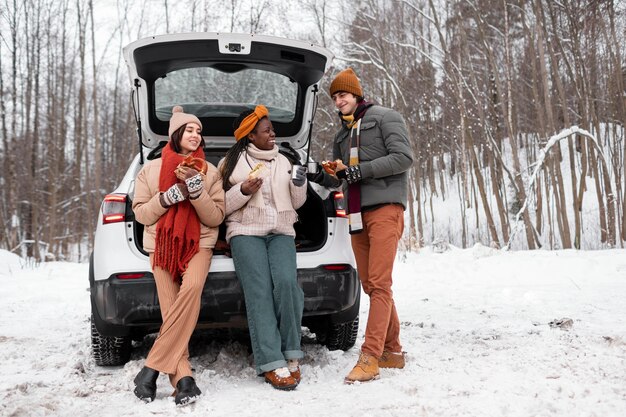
385,156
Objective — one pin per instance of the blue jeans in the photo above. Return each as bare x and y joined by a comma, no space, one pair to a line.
266,268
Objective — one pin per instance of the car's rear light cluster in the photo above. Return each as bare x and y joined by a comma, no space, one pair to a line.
336,267
340,204
133,275
114,208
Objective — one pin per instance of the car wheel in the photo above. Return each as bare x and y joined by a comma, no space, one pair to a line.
339,336
109,351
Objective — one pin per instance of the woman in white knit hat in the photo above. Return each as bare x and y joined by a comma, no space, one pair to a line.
179,199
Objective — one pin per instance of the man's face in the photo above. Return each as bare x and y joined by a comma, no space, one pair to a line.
345,102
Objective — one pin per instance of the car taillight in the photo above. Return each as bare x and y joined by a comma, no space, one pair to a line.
114,208
337,267
131,276
340,204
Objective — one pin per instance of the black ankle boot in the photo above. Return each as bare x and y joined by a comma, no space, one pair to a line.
145,384
186,391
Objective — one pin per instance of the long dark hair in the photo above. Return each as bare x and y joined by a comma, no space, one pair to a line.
235,151
177,136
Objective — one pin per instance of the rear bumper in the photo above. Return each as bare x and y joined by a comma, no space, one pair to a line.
123,307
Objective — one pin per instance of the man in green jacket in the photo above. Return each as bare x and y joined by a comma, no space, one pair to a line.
376,155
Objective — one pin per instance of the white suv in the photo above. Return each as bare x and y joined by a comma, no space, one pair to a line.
216,76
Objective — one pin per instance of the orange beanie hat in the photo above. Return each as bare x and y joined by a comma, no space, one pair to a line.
346,81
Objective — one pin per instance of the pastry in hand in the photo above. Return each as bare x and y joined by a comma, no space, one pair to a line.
330,166
259,171
198,164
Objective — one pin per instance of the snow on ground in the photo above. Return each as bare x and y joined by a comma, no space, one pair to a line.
475,324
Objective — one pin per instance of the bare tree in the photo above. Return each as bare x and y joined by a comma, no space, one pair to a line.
482,85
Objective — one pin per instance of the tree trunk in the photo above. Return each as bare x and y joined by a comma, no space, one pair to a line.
481,190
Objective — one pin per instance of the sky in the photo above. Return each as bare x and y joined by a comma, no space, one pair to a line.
479,326
282,18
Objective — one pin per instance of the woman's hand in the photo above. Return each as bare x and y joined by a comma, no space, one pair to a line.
183,173
299,177
251,186
175,194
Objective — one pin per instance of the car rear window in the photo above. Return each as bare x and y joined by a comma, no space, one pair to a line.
209,92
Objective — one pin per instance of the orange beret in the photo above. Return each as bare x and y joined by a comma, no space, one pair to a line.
247,125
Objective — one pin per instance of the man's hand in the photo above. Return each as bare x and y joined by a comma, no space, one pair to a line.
340,165
351,174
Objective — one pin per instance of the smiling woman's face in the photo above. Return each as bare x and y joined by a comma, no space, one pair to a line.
191,138
263,135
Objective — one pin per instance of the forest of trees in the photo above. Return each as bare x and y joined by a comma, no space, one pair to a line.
482,84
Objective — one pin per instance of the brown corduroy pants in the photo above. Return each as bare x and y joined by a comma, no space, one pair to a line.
180,308
375,251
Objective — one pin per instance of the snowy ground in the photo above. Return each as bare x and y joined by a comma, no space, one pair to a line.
475,324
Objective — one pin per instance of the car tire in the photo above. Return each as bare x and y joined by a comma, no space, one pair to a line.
338,336
109,351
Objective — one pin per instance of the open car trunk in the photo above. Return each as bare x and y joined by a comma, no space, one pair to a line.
216,76
310,228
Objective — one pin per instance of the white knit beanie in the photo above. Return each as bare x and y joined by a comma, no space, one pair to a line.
180,119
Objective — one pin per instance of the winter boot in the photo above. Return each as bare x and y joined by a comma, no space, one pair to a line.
294,369
392,360
145,384
186,391
281,379
366,369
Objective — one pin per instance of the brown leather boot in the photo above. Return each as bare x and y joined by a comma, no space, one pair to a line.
392,360
296,375
366,369
281,379
294,369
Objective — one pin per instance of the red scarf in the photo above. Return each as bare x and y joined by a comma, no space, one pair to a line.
178,230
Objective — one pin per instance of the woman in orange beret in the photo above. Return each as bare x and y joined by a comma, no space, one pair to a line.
260,213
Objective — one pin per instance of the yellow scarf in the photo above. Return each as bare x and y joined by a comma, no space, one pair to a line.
349,119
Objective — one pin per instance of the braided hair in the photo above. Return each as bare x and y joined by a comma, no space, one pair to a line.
235,151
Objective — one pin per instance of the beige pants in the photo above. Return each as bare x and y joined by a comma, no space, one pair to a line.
180,307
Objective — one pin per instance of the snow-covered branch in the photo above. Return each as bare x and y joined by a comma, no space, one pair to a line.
574,130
